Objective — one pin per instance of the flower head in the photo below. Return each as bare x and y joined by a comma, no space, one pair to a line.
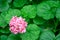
17,25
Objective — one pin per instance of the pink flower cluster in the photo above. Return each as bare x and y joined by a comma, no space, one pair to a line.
17,25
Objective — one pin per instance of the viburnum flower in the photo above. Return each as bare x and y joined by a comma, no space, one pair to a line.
17,25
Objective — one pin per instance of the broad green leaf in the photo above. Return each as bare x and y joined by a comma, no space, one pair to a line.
3,5
3,14
38,21
53,3
32,32
11,13
58,37
3,24
45,9
47,35
3,37
13,37
58,13
9,1
19,3
29,11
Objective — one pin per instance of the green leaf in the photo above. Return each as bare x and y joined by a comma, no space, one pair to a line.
47,35
19,3
9,1
53,3
29,11
3,24
13,37
11,13
45,9
58,13
4,5
3,37
32,32
58,37
38,21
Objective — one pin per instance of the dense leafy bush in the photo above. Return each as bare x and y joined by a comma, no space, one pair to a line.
43,17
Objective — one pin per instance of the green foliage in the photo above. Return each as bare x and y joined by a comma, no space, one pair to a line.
9,1
13,37
11,13
5,31
4,5
19,3
29,11
38,21
47,35
3,23
43,17
58,13
45,9
3,37
32,32
58,37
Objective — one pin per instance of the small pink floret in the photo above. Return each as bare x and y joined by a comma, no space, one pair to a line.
17,25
